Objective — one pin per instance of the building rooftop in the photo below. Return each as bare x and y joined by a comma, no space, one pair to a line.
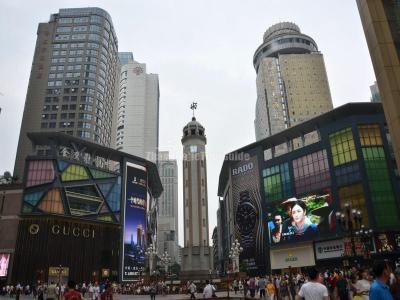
62,139
335,115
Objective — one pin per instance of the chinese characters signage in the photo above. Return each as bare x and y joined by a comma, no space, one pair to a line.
134,235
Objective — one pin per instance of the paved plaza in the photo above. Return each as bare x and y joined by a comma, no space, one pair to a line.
138,297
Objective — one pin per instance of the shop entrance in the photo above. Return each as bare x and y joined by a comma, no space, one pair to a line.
58,274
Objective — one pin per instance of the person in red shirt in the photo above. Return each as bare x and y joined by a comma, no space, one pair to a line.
72,294
107,294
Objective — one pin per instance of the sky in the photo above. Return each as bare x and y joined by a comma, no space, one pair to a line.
203,52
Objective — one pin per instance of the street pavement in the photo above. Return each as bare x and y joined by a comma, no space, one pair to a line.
140,297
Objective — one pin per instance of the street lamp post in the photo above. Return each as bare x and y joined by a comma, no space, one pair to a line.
234,254
150,252
60,269
349,221
365,235
165,260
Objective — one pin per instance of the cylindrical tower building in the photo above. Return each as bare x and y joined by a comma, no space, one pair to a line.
292,85
196,252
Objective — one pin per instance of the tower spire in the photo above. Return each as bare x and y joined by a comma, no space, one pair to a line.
193,107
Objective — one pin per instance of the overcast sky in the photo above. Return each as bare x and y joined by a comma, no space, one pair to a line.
202,51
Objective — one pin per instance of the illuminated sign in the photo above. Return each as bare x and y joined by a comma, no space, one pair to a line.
56,271
135,230
4,262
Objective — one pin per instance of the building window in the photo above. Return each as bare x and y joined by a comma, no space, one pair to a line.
52,202
354,195
74,172
39,172
277,182
347,174
342,147
370,135
311,172
382,196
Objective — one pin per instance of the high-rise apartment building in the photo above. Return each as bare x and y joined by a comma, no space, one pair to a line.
381,22
138,110
292,85
375,96
167,214
197,254
72,85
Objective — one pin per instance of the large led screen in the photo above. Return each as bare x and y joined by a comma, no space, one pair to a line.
300,219
4,262
134,236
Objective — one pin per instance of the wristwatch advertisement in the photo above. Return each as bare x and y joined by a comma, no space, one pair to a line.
246,220
246,201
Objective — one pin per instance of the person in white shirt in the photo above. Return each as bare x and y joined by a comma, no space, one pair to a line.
208,290
363,285
313,289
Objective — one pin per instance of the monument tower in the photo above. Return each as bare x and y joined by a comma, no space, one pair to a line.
196,258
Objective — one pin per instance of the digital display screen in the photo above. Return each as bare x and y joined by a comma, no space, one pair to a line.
300,219
135,230
4,262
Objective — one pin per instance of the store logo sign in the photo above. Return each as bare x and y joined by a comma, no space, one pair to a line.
291,258
242,169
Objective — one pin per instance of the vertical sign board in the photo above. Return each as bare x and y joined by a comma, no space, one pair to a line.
134,232
248,213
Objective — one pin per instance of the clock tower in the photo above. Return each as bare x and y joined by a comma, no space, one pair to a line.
196,254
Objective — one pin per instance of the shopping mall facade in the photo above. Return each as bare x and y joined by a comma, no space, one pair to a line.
288,198
86,208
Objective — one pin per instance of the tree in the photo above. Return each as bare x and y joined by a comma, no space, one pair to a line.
176,269
243,267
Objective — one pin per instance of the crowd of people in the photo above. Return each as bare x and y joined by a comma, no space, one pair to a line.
377,283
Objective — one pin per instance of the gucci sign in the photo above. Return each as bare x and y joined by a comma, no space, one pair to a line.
74,231
65,230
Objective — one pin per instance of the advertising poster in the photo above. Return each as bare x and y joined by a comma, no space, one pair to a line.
248,213
4,262
300,219
134,236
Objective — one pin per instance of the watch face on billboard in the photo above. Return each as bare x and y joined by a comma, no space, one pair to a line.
135,230
300,219
4,262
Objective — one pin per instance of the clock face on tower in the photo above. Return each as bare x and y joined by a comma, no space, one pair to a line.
193,148
138,70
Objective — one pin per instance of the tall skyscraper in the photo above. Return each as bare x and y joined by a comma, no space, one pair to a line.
375,96
73,79
292,85
381,22
197,255
138,110
167,216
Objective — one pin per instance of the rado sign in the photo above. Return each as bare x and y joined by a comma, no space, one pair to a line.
242,169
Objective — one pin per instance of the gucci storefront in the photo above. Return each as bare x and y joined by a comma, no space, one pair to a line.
83,249
73,212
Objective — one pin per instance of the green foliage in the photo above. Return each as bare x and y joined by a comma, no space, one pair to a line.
175,268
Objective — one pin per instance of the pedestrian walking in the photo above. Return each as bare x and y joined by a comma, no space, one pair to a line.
379,289
192,290
314,289
153,291
72,294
